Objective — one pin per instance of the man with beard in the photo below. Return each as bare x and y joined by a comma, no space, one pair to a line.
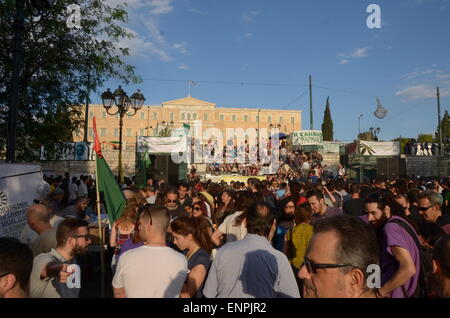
400,256
55,274
337,261
320,209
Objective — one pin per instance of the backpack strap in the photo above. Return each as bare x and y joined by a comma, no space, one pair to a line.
408,229
411,233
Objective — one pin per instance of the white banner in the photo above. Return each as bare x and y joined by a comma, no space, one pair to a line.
19,185
161,144
380,148
306,137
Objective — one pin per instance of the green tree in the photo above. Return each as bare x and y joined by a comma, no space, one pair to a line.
367,136
57,62
445,122
327,125
403,142
425,138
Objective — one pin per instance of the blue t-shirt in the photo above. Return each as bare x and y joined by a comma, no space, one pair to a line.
280,193
201,257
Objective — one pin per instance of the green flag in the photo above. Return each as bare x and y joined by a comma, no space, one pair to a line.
113,196
147,160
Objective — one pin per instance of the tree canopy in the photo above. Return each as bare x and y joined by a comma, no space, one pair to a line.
57,63
327,125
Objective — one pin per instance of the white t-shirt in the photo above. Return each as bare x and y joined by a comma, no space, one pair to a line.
82,190
73,191
232,232
151,272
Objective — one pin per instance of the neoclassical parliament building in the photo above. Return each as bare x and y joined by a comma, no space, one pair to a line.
150,119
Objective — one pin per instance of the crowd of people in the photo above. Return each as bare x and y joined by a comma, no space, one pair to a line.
286,236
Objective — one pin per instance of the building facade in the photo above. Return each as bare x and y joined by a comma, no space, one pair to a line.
149,120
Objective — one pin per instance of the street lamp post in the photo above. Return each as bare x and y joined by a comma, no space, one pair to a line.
18,28
120,99
359,150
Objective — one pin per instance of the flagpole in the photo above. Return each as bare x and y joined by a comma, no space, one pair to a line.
189,88
99,219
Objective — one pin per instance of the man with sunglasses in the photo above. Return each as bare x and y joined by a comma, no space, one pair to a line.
430,203
173,205
51,272
16,262
337,259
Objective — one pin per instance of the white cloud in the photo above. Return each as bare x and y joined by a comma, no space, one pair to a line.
181,47
421,92
250,16
360,52
140,47
183,67
160,6
248,35
357,53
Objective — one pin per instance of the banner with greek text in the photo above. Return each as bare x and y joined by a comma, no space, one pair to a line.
306,137
161,144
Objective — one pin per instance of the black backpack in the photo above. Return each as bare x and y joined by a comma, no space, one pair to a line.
422,289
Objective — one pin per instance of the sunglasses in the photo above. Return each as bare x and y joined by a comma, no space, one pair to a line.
423,209
312,267
197,208
171,201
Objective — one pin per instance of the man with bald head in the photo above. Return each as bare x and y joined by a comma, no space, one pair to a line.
153,270
39,221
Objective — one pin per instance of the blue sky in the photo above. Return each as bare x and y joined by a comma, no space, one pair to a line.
258,54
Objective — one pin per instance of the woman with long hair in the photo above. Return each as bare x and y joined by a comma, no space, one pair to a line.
194,236
123,229
233,227
226,208
285,222
297,240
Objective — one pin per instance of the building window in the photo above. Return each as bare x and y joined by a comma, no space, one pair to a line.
171,116
129,132
281,119
233,118
292,120
142,115
116,132
141,132
257,118
189,116
245,118
270,119
221,117
155,116
103,115
117,115
205,117
194,116
91,114
91,132
183,116
103,132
